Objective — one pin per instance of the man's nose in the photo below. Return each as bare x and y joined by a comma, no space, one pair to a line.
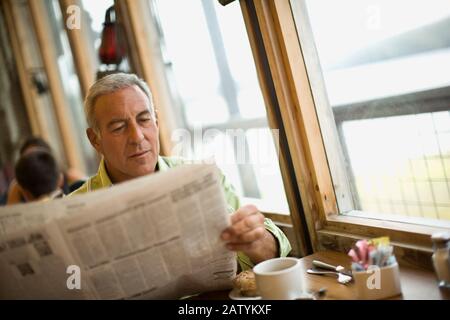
135,135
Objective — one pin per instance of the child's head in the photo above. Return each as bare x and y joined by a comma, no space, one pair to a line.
38,174
34,143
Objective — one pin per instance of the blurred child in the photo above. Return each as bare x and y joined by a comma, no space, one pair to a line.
38,176
71,179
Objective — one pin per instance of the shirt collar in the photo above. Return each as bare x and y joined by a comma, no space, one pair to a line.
105,181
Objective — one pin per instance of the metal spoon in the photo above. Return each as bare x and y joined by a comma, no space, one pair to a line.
342,278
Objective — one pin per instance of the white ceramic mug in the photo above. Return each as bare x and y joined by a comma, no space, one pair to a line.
279,279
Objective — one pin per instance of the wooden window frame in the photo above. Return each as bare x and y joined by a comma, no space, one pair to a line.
84,63
61,108
297,105
42,43
14,28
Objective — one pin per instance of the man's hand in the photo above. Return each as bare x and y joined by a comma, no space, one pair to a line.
248,234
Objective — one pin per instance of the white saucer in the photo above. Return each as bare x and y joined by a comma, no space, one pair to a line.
235,294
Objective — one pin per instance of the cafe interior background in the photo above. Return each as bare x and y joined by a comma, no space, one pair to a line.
343,107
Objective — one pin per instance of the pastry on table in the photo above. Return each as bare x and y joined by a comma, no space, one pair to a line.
245,282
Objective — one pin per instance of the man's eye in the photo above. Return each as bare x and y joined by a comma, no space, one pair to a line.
118,129
144,120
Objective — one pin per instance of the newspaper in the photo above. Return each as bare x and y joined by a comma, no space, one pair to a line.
155,237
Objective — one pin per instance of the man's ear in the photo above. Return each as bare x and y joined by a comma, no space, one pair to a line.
93,139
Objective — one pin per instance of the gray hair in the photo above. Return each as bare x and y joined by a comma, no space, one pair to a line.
110,84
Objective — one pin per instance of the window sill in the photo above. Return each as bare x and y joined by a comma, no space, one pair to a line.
405,234
419,221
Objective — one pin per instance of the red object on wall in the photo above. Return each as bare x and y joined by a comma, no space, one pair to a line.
111,49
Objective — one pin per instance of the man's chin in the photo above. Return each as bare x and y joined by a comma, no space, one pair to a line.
143,169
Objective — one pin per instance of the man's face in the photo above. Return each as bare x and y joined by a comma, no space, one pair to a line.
128,134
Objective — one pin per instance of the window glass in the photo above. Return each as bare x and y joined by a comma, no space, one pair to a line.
93,15
385,70
71,85
210,67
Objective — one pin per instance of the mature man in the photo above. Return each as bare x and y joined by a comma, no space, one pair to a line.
123,128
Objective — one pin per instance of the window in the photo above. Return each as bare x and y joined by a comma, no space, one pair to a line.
386,82
71,85
315,153
32,73
220,108
94,16
49,80
13,120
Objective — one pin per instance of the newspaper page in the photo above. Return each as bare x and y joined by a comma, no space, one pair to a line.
156,237
33,265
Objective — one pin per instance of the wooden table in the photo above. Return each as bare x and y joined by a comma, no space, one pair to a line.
417,284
